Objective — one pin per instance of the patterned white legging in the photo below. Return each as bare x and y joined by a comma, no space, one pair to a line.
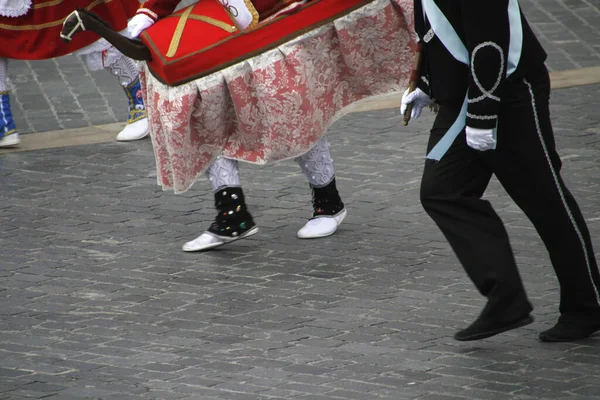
124,69
3,75
316,164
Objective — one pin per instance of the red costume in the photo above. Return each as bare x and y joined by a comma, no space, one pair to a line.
35,35
265,8
260,81
232,31
270,92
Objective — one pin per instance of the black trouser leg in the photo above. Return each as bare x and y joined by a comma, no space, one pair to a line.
527,165
451,193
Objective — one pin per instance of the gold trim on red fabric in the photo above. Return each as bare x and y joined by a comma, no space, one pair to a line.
214,22
46,4
252,54
178,32
53,23
183,18
149,12
255,15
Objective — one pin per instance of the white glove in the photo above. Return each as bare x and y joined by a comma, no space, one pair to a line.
480,139
138,24
419,100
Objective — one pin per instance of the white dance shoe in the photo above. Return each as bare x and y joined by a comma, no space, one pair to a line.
134,131
322,226
11,140
209,240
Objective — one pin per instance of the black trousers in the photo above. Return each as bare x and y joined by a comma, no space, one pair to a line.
528,167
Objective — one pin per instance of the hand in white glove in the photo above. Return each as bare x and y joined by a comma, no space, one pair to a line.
419,100
480,139
138,24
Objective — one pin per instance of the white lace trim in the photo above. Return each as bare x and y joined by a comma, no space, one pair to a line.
14,8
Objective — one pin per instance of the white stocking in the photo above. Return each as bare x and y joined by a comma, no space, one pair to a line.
223,172
3,75
317,164
122,67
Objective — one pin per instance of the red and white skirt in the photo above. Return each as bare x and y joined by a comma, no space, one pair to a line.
278,104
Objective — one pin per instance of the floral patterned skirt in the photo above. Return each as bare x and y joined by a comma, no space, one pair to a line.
277,105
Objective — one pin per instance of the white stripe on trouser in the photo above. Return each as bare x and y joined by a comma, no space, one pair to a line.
3,88
4,120
4,126
560,191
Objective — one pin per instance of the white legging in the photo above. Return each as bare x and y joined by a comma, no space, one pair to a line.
316,164
121,67
3,75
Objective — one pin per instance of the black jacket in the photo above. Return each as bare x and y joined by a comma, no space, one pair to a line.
482,25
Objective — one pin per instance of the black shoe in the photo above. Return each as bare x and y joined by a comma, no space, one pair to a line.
565,331
485,328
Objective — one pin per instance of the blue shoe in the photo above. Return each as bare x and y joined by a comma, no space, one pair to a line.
137,122
8,131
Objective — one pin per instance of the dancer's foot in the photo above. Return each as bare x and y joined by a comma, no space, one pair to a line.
329,212
233,222
137,121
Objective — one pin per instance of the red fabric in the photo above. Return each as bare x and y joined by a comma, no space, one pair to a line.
195,58
23,38
267,8
161,33
280,103
162,8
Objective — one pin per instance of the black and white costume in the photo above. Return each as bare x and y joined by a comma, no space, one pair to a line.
485,68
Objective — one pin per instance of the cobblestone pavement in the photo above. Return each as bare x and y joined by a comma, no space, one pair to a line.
97,301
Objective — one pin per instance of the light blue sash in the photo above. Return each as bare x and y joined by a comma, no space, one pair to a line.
450,39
